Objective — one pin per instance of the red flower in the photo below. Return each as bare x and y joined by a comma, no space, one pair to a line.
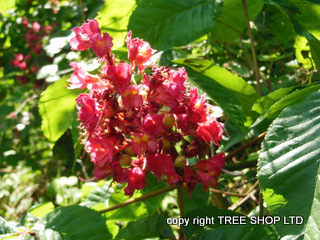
136,180
154,123
210,130
18,61
101,151
131,98
143,142
87,113
120,75
102,172
209,170
139,51
161,164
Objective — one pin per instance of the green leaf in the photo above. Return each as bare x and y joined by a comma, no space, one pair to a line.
165,24
100,194
198,198
288,167
308,16
7,227
231,22
127,213
113,18
153,184
304,18
6,5
237,232
280,28
195,225
76,222
153,226
42,209
264,103
229,91
274,103
314,43
56,108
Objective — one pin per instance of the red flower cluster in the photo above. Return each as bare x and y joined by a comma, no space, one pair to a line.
132,129
27,63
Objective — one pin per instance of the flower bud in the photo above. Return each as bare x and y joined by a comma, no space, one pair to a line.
125,160
168,120
180,161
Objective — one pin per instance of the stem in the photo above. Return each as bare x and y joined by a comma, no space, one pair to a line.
82,10
249,194
255,63
15,113
227,193
240,149
181,207
142,198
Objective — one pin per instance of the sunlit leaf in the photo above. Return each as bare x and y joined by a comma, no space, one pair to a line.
165,24
113,18
232,22
56,109
42,209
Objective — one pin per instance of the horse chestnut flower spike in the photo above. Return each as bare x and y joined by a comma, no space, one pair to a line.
131,130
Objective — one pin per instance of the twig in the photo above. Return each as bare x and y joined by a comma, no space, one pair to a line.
82,10
227,193
249,194
240,149
142,198
254,57
15,113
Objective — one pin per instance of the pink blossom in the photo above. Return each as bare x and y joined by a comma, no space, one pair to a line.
161,164
139,51
210,130
143,142
82,79
87,112
136,180
209,170
36,26
131,98
82,40
120,75
101,151
153,123
101,45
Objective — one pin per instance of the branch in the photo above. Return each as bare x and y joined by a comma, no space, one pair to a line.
142,198
250,194
255,63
